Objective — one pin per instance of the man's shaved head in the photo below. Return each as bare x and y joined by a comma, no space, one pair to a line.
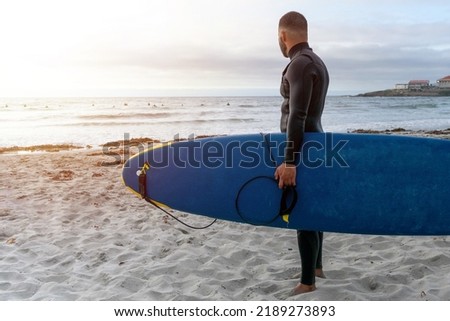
292,29
294,23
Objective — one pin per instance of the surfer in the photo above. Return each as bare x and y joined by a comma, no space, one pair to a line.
304,87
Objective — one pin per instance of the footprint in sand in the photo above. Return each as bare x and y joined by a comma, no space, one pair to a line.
64,175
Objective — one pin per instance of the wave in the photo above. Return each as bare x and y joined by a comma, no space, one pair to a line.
94,123
163,122
411,105
122,116
215,120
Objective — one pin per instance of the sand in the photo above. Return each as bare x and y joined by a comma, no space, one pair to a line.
69,230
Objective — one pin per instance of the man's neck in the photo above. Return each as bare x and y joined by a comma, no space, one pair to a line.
297,47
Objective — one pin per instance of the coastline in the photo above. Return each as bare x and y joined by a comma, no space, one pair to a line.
443,134
70,230
407,93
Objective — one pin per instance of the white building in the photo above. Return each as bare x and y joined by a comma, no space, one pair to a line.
401,86
444,82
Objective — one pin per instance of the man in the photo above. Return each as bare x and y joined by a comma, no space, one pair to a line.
304,87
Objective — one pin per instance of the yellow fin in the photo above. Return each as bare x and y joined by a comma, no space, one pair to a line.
286,218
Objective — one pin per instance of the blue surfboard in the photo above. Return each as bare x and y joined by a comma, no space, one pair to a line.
346,183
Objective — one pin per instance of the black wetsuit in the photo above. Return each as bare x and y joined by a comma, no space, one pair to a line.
304,87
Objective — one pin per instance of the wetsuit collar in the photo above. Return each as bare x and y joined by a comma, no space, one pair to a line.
298,47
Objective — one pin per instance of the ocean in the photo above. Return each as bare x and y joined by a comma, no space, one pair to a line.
95,121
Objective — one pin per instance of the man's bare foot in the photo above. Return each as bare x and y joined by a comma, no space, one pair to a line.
303,288
320,274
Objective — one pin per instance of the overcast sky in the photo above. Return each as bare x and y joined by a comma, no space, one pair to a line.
200,47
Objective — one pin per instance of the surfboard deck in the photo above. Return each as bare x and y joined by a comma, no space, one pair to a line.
346,183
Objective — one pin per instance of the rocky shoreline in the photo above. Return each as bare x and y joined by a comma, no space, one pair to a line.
432,92
444,133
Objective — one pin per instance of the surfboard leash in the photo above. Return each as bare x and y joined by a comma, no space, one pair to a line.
285,210
143,191
177,219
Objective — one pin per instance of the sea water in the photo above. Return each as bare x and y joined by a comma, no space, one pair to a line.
94,121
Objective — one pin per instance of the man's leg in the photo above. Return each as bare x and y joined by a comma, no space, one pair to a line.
308,243
319,266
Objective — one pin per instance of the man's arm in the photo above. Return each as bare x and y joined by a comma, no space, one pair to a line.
300,78
300,81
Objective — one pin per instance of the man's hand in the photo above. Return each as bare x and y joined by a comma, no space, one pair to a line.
286,174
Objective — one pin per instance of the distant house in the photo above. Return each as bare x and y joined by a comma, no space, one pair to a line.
444,82
401,86
418,84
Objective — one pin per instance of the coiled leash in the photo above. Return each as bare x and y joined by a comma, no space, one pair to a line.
285,210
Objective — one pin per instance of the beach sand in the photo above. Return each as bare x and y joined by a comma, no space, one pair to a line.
70,230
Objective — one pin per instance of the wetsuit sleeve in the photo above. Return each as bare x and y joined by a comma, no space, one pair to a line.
300,80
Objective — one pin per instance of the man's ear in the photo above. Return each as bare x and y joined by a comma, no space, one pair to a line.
283,35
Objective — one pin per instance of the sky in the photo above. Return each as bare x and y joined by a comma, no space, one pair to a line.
78,48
